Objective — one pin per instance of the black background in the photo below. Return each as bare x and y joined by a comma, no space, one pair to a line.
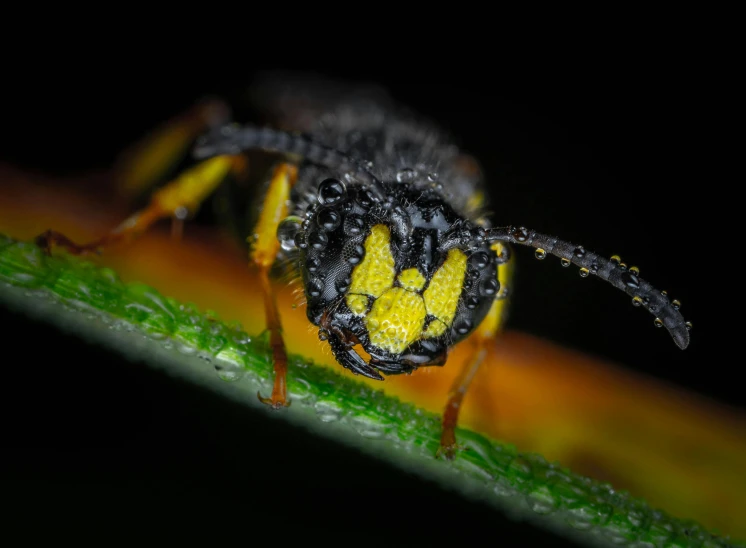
608,153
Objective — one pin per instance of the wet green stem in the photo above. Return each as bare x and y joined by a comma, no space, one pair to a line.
224,359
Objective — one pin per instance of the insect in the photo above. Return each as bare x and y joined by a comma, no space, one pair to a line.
381,216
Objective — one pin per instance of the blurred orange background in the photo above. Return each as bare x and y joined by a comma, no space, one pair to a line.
682,452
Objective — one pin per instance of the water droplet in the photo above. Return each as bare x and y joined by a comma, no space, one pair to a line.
331,191
630,280
432,177
313,264
541,501
318,240
688,326
664,293
357,254
343,284
327,411
472,302
565,262
369,428
636,300
480,260
579,252
520,234
584,272
623,266
328,219
406,175
503,488
634,270
658,322
354,225
464,326
615,259
300,240
315,287
365,199
229,372
540,254
676,304
489,287
287,231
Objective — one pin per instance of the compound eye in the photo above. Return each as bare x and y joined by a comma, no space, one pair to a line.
331,191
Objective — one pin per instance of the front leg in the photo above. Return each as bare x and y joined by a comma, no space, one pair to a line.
482,337
263,253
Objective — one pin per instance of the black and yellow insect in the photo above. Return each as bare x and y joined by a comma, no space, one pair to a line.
382,218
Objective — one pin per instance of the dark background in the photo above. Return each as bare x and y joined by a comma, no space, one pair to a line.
608,153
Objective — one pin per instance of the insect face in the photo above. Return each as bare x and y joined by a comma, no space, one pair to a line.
401,274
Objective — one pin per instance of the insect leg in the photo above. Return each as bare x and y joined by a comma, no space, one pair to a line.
148,161
263,253
481,338
175,200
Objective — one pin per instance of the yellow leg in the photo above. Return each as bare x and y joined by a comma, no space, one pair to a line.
148,161
481,338
175,200
263,252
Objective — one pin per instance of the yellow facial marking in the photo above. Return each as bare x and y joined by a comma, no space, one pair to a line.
375,273
357,303
396,319
441,296
411,279
435,329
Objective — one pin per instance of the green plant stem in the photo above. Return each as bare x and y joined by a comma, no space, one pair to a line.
200,348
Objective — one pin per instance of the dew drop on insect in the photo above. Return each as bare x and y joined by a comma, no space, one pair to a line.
342,284
489,287
313,264
318,240
615,259
634,270
354,225
520,234
463,327
676,304
630,280
357,255
331,191
658,322
623,266
664,293
432,177
565,262
584,272
540,254
405,175
315,287
300,240
328,219
480,260
287,230
636,300
579,252
688,326
472,302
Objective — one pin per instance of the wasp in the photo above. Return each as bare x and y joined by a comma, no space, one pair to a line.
381,217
